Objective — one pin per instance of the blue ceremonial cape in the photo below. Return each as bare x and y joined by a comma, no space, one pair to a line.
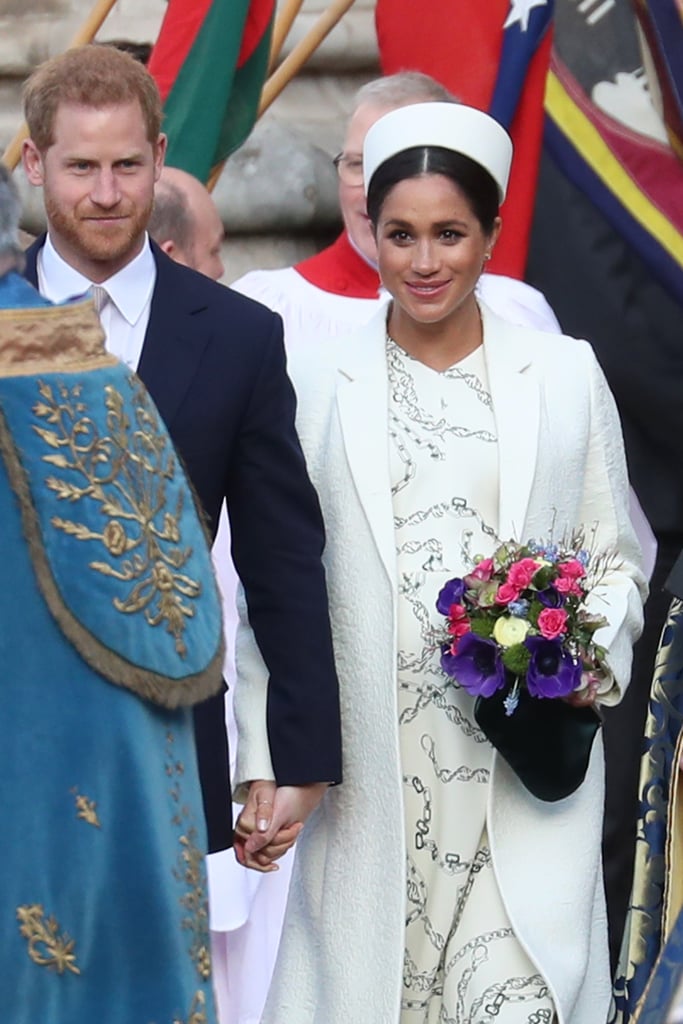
109,631
16,293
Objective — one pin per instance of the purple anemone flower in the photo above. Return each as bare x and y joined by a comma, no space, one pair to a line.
552,672
476,666
450,594
551,598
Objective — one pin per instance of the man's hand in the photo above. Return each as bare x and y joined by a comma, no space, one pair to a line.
272,820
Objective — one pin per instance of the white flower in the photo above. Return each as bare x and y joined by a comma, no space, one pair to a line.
509,630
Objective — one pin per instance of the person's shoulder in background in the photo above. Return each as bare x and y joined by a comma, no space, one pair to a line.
221,299
517,302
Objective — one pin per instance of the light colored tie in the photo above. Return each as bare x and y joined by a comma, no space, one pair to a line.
100,297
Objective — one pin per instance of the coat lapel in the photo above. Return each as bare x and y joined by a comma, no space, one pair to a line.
515,396
176,337
363,402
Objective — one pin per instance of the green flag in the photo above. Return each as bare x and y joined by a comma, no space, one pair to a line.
210,63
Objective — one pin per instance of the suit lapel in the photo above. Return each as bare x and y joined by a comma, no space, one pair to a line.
176,337
362,401
514,392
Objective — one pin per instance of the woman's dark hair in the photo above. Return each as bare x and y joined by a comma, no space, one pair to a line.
477,184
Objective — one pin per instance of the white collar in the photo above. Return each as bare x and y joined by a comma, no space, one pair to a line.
365,259
130,288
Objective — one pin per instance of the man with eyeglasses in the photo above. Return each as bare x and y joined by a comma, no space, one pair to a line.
339,289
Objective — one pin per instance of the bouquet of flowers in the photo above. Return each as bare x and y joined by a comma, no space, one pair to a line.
519,620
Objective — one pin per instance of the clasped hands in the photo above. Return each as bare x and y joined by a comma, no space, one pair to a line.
271,821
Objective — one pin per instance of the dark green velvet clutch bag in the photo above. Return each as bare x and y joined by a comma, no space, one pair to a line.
546,742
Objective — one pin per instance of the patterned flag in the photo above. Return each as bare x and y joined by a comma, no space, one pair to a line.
603,129
662,24
494,56
607,252
210,62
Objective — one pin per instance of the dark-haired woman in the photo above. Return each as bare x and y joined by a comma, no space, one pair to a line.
432,887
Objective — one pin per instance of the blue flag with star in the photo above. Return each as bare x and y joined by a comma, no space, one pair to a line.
524,28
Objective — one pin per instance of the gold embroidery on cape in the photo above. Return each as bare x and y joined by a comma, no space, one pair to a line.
197,1011
190,872
46,339
46,947
86,809
125,472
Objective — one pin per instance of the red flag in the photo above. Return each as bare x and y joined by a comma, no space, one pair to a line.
493,55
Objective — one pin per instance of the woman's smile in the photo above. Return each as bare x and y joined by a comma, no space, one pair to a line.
427,289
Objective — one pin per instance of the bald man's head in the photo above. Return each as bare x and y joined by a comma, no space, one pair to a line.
186,224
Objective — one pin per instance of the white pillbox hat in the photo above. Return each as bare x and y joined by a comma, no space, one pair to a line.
452,126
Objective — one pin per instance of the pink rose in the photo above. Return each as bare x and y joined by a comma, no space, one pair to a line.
552,622
483,570
458,621
506,592
572,570
458,629
565,585
520,574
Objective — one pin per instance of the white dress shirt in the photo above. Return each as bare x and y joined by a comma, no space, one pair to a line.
125,316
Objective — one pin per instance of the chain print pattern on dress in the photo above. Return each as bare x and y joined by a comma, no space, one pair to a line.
412,429
462,963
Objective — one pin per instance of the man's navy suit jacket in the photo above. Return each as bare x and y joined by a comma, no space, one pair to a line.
213,361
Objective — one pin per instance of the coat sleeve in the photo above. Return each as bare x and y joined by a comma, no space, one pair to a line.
622,589
277,544
250,705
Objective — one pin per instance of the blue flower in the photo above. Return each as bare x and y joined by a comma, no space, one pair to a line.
583,557
518,608
449,594
477,666
552,671
511,702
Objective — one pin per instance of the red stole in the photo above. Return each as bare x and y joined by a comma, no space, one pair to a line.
341,270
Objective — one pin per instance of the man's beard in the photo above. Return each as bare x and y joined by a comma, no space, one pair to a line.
115,244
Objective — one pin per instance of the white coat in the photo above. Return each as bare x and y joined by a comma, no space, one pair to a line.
561,465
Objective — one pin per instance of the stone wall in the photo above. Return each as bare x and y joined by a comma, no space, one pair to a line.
278,194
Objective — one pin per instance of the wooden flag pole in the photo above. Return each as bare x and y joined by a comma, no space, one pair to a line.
85,34
292,64
294,61
283,24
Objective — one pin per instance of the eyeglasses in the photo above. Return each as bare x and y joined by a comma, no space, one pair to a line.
349,169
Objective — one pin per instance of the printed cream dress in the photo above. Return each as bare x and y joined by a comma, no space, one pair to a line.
463,963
